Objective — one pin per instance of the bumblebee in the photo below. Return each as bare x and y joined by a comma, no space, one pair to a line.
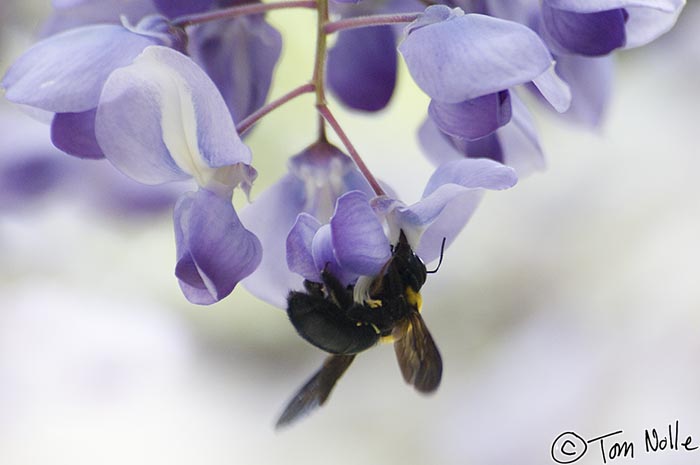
329,316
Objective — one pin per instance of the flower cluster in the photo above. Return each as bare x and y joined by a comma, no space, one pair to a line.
165,91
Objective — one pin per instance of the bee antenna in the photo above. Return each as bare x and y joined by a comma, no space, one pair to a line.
442,254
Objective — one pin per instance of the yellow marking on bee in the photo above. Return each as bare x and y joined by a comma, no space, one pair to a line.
413,298
373,303
387,339
363,323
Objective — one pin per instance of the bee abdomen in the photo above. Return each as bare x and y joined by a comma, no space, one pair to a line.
326,326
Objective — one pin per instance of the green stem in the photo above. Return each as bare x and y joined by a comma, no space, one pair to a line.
321,52
248,122
328,116
369,21
318,80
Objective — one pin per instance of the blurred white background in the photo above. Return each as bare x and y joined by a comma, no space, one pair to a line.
570,303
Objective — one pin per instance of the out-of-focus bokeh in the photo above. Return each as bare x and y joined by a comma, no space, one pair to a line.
570,303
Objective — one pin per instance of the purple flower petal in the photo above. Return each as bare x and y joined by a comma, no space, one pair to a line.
646,19
591,6
325,257
432,15
66,72
318,176
520,11
71,14
367,56
485,147
68,3
441,148
74,133
472,173
300,256
519,141
646,24
310,251
590,34
160,29
175,8
326,173
554,90
450,198
459,206
499,55
359,241
239,55
322,251
162,119
516,144
436,144
472,119
271,217
590,81
214,250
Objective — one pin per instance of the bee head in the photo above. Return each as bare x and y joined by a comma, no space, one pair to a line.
409,266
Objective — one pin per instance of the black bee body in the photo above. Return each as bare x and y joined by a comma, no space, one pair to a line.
327,316
331,322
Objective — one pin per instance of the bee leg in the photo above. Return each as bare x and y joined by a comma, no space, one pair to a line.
336,291
313,288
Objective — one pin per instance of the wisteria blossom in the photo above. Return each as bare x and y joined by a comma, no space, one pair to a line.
132,95
357,55
64,74
581,36
515,144
162,119
471,95
320,216
317,177
355,241
166,92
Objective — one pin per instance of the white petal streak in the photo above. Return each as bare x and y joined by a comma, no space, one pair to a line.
178,117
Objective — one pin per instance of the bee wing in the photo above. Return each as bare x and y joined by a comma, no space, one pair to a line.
417,354
315,392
